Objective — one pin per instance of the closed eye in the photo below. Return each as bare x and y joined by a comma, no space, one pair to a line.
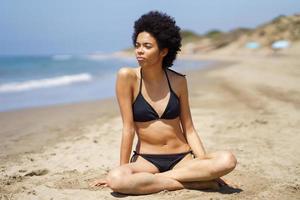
148,45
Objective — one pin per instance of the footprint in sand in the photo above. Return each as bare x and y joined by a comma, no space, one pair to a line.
38,172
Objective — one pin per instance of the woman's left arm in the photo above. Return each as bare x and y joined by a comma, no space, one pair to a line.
192,136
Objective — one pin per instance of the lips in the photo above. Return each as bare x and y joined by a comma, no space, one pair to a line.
140,58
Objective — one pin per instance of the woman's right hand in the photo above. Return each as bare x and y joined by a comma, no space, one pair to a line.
99,183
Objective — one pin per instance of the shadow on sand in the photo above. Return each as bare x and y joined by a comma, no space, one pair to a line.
223,190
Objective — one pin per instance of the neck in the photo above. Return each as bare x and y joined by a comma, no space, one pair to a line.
154,74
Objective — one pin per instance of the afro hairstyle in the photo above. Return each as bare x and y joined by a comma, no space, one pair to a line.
164,29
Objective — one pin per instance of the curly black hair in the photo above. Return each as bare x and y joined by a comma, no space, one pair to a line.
164,29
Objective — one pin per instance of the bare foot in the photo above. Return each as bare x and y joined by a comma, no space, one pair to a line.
215,184
202,185
223,182
99,183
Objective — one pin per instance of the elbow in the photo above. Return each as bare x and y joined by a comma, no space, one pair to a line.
191,132
128,130
128,126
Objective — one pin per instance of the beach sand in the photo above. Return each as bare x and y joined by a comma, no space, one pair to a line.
249,105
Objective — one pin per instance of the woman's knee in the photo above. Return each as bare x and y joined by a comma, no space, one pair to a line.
226,161
222,163
116,178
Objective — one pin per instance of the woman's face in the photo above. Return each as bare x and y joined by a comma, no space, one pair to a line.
147,51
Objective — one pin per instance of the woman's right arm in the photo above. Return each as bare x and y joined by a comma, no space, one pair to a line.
124,88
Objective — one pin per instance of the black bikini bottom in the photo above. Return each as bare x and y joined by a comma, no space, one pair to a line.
163,162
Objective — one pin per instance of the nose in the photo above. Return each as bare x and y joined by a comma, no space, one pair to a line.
140,50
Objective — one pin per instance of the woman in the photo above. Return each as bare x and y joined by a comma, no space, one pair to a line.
153,101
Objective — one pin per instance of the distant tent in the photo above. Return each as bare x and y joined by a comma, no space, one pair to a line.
280,44
252,45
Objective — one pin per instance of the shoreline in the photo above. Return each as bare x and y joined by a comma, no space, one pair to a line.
84,86
47,125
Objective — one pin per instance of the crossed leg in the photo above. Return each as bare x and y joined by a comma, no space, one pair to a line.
142,177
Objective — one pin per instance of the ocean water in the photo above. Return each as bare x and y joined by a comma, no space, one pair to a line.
34,81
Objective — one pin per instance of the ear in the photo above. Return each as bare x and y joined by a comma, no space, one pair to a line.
164,52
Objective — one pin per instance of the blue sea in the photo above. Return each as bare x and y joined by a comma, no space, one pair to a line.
34,81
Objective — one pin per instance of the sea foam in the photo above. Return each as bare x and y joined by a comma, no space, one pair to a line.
45,83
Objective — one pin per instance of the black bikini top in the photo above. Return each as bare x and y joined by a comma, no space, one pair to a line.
143,111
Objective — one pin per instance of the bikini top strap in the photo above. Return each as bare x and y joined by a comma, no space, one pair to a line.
176,72
141,74
168,79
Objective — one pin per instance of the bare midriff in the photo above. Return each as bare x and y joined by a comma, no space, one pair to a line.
163,136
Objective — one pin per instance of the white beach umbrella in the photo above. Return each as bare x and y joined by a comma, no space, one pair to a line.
280,44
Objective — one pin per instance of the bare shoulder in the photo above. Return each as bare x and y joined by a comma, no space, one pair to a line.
175,75
128,75
178,80
127,72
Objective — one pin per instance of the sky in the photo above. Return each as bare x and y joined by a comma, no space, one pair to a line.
36,27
